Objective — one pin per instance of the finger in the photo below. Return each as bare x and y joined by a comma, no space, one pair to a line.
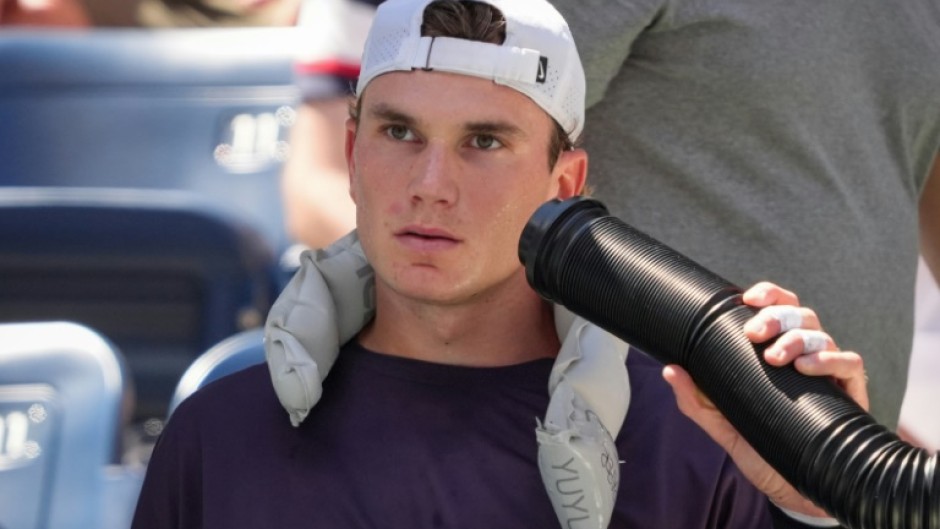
765,293
857,384
841,365
847,368
688,396
799,342
778,319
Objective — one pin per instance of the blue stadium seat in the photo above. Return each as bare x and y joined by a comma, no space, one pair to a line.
62,399
202,110
228,356
163,274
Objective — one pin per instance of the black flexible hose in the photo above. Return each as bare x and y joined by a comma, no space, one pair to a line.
675,310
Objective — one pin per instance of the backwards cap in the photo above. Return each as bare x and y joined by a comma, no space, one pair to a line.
538,57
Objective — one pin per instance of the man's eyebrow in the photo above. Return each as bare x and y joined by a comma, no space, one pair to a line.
501,128
384,112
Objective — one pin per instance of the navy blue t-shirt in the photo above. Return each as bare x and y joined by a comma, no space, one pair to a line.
399,443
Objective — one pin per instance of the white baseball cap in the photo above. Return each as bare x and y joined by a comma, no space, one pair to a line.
538,57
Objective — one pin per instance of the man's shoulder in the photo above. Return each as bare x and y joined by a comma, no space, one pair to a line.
243,396
238,385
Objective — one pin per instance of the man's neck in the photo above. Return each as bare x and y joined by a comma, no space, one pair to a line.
508,326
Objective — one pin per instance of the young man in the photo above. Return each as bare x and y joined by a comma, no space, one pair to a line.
465,116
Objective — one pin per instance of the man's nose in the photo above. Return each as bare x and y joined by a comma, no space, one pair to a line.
434,176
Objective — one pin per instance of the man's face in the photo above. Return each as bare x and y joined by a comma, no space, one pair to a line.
445,171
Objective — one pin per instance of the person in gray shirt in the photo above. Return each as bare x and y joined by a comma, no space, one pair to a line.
772,139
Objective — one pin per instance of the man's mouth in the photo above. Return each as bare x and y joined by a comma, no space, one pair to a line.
427,239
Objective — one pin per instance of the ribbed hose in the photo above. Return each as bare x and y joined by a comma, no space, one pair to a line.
673,309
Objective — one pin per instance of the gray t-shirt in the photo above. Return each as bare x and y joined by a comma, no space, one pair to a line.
782,140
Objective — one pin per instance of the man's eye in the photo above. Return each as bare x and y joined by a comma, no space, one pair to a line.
486,142
400,132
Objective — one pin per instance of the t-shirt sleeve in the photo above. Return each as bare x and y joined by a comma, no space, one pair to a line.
171,495
331,35
604,32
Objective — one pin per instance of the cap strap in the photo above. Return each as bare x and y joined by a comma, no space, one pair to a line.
480,59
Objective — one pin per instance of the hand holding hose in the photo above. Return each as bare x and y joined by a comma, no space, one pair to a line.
809,429
801,342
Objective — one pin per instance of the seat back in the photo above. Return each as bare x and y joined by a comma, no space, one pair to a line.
61,395
163,274
228,356
205,110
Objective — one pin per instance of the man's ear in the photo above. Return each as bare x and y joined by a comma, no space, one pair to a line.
571,173
350,155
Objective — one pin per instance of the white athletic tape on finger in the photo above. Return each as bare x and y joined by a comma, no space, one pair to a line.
814,341
788,317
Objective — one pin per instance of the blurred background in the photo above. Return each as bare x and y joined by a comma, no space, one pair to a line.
142,145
